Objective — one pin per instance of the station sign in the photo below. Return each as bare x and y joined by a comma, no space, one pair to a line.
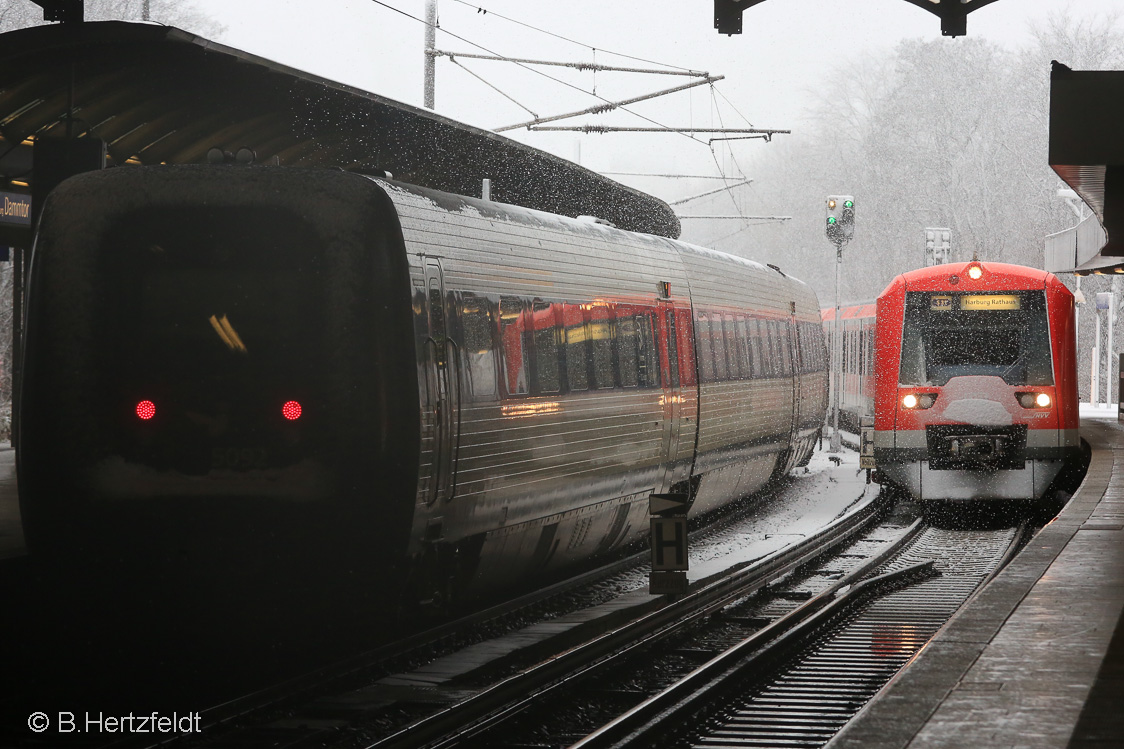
15,209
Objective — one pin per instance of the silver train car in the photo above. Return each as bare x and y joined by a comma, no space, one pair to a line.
449,392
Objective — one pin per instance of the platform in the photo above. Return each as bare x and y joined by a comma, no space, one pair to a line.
1036,659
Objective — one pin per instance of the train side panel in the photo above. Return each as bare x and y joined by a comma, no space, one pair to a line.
750,415
559,441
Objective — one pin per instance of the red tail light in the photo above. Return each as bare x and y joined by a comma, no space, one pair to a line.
291,410
146,410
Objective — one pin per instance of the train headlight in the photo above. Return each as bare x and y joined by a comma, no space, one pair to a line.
918,401
975,272
1034,400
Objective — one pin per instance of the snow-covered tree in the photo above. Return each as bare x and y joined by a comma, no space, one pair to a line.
16,14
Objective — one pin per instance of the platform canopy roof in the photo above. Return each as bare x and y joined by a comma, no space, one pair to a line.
157,94
1087,152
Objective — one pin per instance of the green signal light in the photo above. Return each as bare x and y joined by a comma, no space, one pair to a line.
849,204
831,219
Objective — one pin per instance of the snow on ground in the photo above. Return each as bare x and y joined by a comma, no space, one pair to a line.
1099,411
809,499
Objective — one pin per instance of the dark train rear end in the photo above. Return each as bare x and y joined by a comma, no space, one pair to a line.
218,361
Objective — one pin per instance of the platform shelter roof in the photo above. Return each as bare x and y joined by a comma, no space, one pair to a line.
157,94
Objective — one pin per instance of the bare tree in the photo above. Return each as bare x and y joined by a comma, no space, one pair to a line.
937,133
17,14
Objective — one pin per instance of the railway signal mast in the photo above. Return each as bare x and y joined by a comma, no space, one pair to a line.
840,228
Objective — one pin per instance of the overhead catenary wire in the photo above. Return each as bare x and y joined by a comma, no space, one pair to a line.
710,192
737,166
575,65
738,218
661,129
669,176
601,108
537,72
499,91
537,124
564,38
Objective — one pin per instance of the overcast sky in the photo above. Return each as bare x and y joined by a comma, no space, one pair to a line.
789,49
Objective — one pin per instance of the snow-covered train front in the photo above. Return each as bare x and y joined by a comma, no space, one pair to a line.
975,382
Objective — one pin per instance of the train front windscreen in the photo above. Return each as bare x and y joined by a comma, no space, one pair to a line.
950,335
211,338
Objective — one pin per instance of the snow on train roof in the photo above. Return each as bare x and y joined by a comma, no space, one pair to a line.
479,207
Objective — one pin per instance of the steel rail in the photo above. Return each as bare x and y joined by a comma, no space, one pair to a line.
845,647
770,643
497,703
242,707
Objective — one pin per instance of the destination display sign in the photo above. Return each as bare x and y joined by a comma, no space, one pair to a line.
990,302
15,209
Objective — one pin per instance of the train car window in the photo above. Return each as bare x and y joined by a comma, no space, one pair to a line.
870,339
706,356
601,335
547,373
757,354
577,347
800,360
672,349
627,347
776,369
731,347
863,341
998,334
768,346
814,346
784,343
479,348
819,344
779,368
650,376
805,349
516,378
718,344
688,363
745,371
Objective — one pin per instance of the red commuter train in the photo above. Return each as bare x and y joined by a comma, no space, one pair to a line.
975,381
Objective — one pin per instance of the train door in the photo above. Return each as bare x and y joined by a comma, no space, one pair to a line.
443,387
674,471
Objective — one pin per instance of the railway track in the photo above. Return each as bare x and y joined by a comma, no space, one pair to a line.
800,690
357,702
783,653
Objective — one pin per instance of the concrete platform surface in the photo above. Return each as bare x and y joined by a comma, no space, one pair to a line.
1036,659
